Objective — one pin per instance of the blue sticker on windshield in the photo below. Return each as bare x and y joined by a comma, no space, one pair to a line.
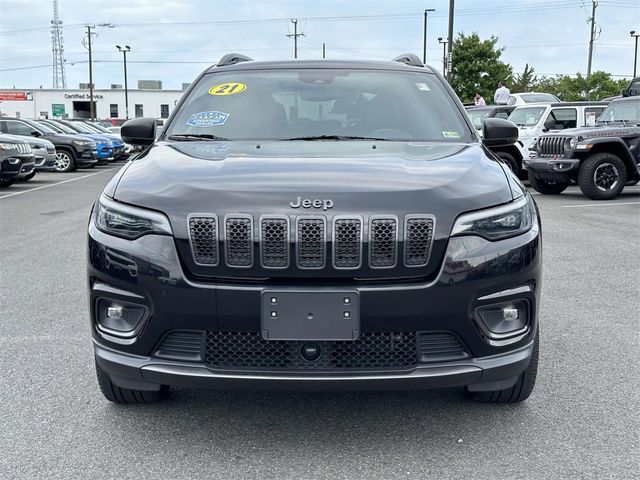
207,119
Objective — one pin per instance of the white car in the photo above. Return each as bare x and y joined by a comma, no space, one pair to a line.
531,97
532,120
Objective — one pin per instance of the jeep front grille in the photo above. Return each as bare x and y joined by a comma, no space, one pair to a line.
549,146
349,242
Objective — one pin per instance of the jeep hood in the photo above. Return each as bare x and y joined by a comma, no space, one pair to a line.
386,177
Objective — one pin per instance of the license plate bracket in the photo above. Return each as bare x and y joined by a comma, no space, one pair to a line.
310,315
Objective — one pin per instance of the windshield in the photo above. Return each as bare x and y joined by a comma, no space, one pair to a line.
41,127
624,111
97,127
538,97
72,128
477,116
61,128
527,116
336,103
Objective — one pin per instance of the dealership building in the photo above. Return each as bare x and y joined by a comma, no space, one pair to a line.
109,104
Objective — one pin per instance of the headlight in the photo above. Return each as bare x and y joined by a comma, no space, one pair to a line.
572,143
7,146
499,222
129,222
83,143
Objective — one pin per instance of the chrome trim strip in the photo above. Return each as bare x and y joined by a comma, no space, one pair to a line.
506,293
217,230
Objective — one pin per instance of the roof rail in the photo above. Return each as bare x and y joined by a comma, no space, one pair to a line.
233,58
410,59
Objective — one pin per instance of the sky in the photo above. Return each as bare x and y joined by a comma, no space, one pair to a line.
174,40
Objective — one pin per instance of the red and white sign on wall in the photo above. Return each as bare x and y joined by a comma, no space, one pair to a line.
15,96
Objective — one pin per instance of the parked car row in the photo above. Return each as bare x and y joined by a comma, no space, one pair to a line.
30,146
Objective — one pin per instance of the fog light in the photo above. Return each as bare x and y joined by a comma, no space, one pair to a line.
119,319
503,320
114,312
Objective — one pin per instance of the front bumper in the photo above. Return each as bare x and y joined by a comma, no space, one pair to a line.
87,157
27,167
552,168
46,163
474,273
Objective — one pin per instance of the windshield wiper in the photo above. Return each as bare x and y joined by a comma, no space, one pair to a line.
195,136
333,137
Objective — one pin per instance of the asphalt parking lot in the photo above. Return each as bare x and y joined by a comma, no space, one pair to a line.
581,422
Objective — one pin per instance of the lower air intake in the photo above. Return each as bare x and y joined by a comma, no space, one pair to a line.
440,347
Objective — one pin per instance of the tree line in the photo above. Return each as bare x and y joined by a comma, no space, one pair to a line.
477,67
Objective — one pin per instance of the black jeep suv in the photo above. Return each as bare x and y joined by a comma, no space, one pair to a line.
315,225
602,159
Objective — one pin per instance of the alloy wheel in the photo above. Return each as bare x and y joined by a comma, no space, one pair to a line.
62,161
606,177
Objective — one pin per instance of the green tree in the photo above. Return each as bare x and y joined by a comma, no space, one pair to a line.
598,86
525,81
476,67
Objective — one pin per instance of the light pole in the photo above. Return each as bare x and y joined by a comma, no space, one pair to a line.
424,37
635,52
124,51
444,56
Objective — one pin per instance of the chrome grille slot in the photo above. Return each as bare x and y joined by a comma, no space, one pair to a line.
418,235
203,235
23,148
552,145
347,242
238,245
274,242
311,242
383,242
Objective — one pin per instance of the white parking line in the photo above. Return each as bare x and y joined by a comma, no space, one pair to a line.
58,183
603,204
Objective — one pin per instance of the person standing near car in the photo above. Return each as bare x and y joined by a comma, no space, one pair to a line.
502,94
479,100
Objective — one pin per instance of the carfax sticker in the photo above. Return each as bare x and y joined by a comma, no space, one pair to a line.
450,134
207,119
423,86
229,88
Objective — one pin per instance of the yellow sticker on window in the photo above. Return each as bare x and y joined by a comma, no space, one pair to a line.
229,88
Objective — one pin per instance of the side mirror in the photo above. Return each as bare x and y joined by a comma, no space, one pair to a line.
625,92
35,133
139,131
498,132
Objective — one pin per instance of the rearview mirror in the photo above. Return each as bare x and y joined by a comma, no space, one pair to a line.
498,132
139,131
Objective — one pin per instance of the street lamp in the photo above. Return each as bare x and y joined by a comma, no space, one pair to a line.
635,53
424,39
444,56
124,51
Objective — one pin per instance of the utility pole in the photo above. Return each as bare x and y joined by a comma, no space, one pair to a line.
92,109
635,52
295,36
592,34
324,51
424,35
450,38
92,112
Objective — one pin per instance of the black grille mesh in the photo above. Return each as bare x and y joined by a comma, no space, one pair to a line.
274,242
418,235
383,242
373,350
311,249
552,145
239,242
347,242
204,240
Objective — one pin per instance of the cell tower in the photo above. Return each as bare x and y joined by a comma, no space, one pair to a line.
59,79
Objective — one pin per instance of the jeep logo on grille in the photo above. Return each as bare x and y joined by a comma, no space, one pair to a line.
324,204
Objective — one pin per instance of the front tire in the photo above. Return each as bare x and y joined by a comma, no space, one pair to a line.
116,394
65,161
545,186
6,183
602,176
523,386
509,160
30,176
